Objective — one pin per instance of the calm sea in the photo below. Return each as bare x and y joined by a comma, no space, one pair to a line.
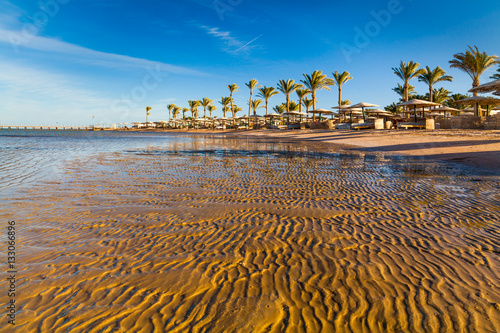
31,156
28,157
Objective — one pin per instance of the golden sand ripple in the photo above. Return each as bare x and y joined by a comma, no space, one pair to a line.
166,241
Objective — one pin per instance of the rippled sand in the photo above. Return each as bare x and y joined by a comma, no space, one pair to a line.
234,240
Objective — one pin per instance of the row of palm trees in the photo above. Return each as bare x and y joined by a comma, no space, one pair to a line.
310,85
473,62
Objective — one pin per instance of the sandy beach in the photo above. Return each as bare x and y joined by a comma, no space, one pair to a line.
476,148
228,234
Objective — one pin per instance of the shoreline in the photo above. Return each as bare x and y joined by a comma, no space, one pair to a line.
475,148
183,241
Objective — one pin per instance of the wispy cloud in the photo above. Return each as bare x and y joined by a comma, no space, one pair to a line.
232,44
18,36
27,81
43,97
82,54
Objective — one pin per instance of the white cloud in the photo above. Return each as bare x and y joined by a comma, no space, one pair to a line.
232,44
19,39
18,36
31,81
42,97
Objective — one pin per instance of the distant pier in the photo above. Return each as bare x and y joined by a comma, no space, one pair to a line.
48,128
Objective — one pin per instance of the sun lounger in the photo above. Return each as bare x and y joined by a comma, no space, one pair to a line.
411,125
361,126
343,126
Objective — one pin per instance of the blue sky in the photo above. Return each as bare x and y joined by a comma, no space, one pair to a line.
65,61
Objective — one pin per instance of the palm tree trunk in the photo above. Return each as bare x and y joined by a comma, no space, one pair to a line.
475,83
232,109
313,93
250,102
267,104
430,93
340,96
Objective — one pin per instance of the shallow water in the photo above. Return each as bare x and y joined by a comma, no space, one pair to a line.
143,232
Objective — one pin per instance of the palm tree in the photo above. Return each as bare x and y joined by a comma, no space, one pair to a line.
193,105
440,95
266,93
170,107
406,72
474,63
252,84
287,87
294,106
176,111
401,91
236,109
280,108
184,110
255,105
340,79
148,112
453,98
308,103
496,76
316,81
394,108
205,102
211,108
232,88
225,101
345,102
431,77
301,93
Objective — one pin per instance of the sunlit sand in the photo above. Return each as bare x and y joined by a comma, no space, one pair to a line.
241,237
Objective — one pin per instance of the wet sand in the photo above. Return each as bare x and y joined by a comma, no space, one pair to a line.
477,148
222,238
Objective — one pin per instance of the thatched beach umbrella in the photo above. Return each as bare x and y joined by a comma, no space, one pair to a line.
445,109
271,116
420,103
479,100
342,107
379,112
352,111
487,87
320,112
363,105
